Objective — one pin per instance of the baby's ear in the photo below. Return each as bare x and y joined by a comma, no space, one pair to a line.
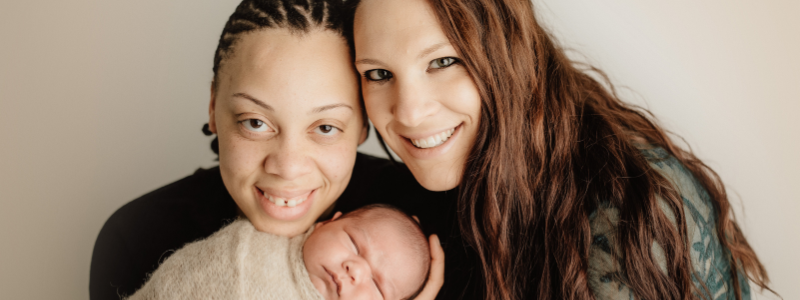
335,216
416,219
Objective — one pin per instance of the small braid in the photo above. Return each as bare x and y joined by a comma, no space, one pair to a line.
298,16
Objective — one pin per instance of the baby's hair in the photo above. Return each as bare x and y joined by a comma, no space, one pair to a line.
297,16
412,229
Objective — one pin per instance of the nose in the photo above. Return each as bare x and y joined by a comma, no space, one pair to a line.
414,102
357,270
289,159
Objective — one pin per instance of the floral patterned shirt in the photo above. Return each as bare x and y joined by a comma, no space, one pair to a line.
709,257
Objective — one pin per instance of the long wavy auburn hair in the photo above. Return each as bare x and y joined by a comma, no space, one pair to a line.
554,144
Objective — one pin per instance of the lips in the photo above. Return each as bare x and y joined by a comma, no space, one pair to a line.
334,281
434,148
290,202
433,140
285,206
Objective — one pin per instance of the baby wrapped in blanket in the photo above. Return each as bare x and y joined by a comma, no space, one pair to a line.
376,252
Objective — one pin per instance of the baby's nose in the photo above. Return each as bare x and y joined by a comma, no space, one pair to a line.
355,270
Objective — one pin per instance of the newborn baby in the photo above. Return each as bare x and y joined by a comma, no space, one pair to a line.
376,252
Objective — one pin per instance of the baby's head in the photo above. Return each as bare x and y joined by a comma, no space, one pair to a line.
376,252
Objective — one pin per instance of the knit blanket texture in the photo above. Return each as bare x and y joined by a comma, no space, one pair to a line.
236,262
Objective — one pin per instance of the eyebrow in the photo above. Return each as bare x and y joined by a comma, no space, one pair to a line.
432,49
421,55
255,100
369,61
268,107
329,107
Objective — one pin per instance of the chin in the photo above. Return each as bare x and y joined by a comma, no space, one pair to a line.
282,228
437,182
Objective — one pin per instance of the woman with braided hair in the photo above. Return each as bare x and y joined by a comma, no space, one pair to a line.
286,111
560,189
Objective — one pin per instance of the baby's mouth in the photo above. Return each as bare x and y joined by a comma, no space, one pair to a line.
335,281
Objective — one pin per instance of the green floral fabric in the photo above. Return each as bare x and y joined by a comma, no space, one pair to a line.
709,258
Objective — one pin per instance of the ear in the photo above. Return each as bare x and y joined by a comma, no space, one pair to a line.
335,216
416,219
364,135
212,123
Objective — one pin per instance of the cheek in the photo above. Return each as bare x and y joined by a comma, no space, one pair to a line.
323,250
464,96
238,157
336,161
378,105
471,100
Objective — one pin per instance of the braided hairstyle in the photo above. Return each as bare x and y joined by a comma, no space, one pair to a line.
297,16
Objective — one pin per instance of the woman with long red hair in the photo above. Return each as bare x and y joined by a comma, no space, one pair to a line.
560,190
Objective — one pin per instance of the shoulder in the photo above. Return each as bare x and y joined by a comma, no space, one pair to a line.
709,260
694,195
143,232
191,201
709,257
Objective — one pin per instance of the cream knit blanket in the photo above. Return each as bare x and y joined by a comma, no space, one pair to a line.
237,262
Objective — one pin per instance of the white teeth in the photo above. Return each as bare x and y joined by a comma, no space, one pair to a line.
434,140
287,202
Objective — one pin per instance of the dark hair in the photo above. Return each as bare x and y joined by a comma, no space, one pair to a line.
554,144
414,233
297,16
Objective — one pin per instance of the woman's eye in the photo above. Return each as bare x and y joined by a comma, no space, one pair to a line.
443,62
255,125
377,75
326,130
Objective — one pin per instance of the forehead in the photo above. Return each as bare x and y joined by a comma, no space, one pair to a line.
275,63
391,254
400,25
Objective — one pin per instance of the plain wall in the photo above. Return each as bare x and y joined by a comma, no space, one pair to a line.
103,101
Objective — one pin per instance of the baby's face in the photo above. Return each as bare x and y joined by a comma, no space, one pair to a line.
362,258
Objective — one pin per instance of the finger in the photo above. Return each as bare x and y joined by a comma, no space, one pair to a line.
436,275
437,252
416,219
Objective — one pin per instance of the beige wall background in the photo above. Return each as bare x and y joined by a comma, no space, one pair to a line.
103,101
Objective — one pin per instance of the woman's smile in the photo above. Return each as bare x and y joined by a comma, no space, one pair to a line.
433,145
432,140
287,201
285,206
